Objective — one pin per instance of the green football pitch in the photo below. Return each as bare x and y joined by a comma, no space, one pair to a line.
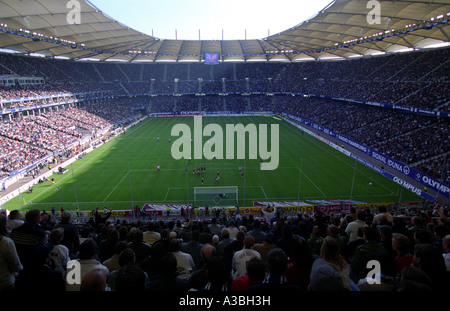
122,172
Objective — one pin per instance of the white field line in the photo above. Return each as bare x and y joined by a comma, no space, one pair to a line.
116,187
324,195
263,192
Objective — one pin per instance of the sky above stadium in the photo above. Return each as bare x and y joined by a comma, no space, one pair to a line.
210,20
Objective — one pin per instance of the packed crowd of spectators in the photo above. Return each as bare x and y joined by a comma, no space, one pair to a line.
27,139
15,154
30,129
50,94
418,79
271,252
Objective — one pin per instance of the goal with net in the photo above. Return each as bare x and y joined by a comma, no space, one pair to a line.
216,196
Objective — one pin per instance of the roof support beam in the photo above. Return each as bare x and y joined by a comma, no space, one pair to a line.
262,48
407,42
446,35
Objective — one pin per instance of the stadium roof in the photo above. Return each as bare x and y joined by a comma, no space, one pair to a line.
343,29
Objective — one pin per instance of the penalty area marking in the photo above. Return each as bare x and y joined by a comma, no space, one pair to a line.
184,188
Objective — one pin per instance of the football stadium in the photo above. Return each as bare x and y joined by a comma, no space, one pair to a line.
225,165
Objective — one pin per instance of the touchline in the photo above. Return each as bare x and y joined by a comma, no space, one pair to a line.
214,136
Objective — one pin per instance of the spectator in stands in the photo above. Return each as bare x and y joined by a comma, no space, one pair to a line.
185,263
193,247
219,275
215,240
352,228
199,279
256,231
164,240
94,281
269,214
166,279
413,279
87,261
264,248
422,236
365,253
123,233
112,263
13,220
59,255
225,240
45,222
152,265
9,260
386,280
256,272
382,211
214,227
417,223
150,235
232,229
29,236
37,276
324,277
446,255
131,278
402,245
350,248
234,246
126,256
275,281
399,225
428,258
241,257
440,231
287,242
340,236
108,245
315,240
71,238
299,266
141,249
385,232
330,251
